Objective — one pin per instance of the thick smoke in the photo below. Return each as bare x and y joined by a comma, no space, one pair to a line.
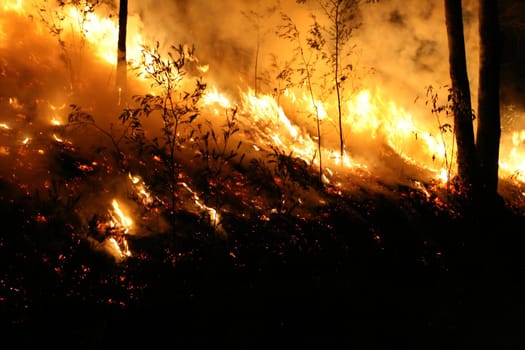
404,41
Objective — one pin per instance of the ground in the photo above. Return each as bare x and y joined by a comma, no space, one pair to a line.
381,272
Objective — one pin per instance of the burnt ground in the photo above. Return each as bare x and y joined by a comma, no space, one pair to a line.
379,272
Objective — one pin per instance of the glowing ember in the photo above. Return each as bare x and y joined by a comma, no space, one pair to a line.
57,138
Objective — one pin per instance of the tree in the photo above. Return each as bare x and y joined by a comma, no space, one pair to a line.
478,157
56,19
341,16
460,95
489,123
121,56
256,19
309,56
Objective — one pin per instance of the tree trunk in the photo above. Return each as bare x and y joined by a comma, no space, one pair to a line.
489,122
121,57
461,100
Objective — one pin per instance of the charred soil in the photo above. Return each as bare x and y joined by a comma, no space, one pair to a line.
379,272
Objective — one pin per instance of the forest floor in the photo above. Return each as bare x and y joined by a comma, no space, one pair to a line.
380,272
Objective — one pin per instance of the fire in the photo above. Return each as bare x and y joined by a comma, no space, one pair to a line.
13,101
214,97
119,218
366,115
204,68
116,230
99,30
513,166
13,5
275,128
443,176
372,115
286,123
213,214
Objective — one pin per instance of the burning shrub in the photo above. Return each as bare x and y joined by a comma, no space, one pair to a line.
175,107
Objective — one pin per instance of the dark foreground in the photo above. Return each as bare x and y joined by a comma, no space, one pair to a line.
374,274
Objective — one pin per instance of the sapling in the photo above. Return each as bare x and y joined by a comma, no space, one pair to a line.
55,20
308,56
437,109
341,16
174,106
218,151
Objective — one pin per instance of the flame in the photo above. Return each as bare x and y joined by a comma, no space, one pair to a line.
117,228
367,116
275,128
119,218
204,68
214,97
13,5
370,114
513,165
13,101
103,33
100,31
214,215
443,176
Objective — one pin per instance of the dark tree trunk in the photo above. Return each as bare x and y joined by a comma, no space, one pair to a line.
121,57
489,122
461,100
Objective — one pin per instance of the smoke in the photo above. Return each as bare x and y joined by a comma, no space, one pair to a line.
404,41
